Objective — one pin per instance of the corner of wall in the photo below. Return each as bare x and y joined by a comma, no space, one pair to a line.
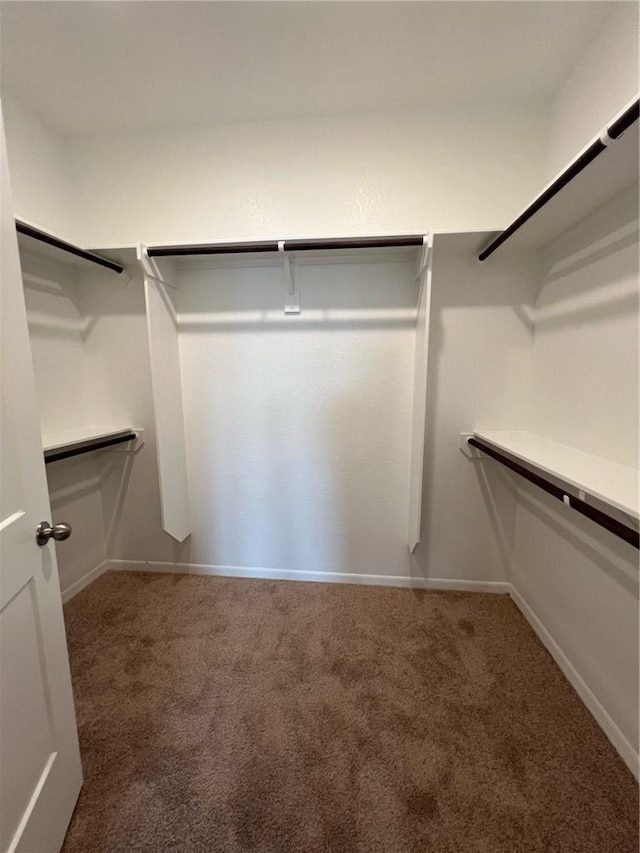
600,84
41,170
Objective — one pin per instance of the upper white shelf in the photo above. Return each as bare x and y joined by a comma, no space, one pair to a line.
45,243
82,435
609,482
587,188
314,250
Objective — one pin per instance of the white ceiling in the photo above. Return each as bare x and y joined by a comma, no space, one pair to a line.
94,66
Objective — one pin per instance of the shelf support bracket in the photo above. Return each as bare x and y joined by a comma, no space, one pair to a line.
291,290
423,264
149,266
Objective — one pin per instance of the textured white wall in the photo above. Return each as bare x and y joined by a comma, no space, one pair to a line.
56,328
479,377
117,350
580,581
62,373
75,493
469,167
602,82
41,171
89,346
581,585
397,171
298,427
291,464
585,379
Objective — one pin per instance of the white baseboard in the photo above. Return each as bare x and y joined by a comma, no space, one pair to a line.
85,580
316,577
603,718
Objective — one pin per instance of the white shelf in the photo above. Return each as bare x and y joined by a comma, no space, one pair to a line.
613,171
46,244
80,436
609,482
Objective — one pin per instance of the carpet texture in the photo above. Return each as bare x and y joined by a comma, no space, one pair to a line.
244,715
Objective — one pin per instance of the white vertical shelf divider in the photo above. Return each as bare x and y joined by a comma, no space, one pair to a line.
419,414
166,382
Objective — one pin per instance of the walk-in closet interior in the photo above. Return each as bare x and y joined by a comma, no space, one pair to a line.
320,426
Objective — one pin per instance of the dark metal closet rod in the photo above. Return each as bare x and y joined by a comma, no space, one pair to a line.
288,245
355,243
611,524
88,448
615,130
30,231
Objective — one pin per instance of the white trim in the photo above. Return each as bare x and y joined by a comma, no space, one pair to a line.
624,749
85,580
318,577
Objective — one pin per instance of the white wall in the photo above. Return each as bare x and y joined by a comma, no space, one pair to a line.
89,347
56,328
75,493
585,378
298,448
117,350
291,466
469,167
479,377
579,586
42,171
601,83
62,372
578,581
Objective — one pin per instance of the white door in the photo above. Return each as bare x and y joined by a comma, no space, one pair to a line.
40,772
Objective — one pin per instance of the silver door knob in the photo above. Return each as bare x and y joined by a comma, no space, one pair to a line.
59,532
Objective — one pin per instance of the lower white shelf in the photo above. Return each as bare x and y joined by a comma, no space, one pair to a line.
81,435
74,442
613,484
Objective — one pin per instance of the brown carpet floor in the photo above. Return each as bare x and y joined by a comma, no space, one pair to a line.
241,715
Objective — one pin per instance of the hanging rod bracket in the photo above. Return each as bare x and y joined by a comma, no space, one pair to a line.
605,138
150,267
467,449
424,257
423,263
291,290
